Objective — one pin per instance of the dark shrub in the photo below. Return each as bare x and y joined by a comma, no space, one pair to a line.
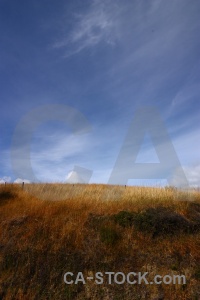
96,221
193,211
161,221
109,235
6,194
125,218
197,273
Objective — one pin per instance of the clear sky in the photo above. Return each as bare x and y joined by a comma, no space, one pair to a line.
105,59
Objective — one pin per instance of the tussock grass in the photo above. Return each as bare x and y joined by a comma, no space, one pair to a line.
49,229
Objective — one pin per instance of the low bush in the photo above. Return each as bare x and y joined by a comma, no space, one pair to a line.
161,221
125,218
6,194
156,221
109,235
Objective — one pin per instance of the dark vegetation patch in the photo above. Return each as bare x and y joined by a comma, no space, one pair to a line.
193,211
18,221
125,218
96,221
109,235
161,221
6,194
40,268
104,226
197,273
157,221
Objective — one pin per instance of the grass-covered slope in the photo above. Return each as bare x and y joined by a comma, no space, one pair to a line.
48,230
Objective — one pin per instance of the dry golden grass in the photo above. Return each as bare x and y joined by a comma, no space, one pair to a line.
49,229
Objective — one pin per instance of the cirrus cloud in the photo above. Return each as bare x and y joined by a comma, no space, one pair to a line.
98,24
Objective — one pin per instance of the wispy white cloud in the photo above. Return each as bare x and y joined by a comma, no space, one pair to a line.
98,24
5,179
160,38
188,93
182,147
57,147
52,155
193,176
19,180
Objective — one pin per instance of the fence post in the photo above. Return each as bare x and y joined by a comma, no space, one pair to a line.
22,185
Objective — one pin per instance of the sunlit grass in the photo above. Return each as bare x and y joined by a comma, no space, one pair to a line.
49,229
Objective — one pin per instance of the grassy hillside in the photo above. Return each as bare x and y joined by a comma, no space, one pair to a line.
47,230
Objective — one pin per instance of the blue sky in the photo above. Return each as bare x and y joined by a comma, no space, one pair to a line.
105,59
